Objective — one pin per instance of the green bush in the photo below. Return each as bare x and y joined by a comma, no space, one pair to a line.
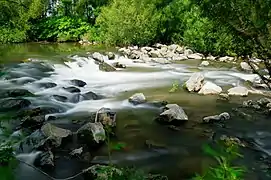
60,29
9,35
126,22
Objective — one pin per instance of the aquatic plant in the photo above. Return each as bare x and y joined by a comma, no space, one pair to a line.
175,87
225,154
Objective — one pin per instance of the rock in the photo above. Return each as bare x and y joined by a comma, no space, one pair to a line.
210,57
106,67
77,152
72,89
84,42
238,91
118,65
78,83
224,97
148,49
180,49
47,85
195,82
179,57
98,57
154,145
221,117
11,104
188,52
46,159
54,133
92,96
154,54
60,98
251,104
91,132
264,101
107,117
173,47
226,59
173,112
137,98
5,93
245,66
194,56
158,45
268,105
204,63
210,88
111,55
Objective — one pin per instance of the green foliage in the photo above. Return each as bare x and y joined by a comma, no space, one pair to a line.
92,35
12,35
126,22
61,29
226,153
6,154
175,87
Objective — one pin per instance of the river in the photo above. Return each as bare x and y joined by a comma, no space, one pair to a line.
182,155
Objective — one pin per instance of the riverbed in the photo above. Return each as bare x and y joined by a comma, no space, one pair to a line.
27,66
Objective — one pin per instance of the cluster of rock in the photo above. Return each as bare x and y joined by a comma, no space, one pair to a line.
196,83
263,104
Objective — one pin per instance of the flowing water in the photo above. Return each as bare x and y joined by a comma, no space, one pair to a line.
182,153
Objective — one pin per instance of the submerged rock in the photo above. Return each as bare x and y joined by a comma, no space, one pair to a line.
224,97
106,67
5,93
72,89
78,83
11,104
137,98
210,88
221,117
47,85
91,132
173,112
60,98
118,65
238,91
92,96
195,82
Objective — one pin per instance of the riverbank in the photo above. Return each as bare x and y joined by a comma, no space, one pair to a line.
56,96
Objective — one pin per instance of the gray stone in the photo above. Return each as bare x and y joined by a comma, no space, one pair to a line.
195,82
194,56
47,159
173,47
221,117
54,133
210,57
107,117
72,89
204,63
188,52
106,67
238,91
137,98
245,66
78,83
174,112
98,57
154,54
91,132
210,88
226,59
111,55
13,104
224,97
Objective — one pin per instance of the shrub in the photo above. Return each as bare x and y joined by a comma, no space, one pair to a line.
126,22
60,29
9,35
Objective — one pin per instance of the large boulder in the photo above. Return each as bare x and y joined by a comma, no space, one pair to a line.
54,133
246,67
11,104
238,91
195,82
78,83
91,133
210,88
106,67
173,112
216,118
137,98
